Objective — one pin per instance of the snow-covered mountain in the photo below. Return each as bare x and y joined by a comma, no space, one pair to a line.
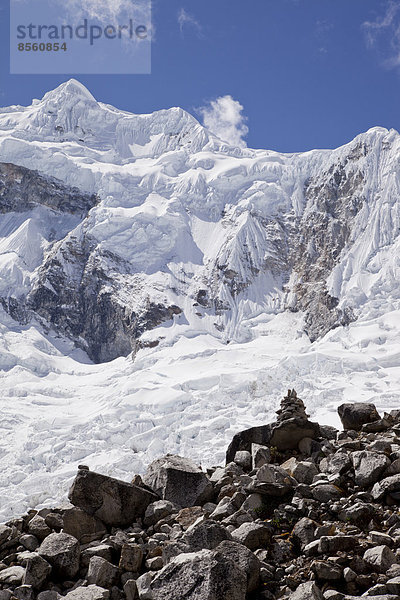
222,274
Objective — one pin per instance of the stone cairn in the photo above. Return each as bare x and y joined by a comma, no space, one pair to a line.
291,407
312,513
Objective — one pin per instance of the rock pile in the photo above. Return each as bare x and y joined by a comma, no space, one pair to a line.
318,520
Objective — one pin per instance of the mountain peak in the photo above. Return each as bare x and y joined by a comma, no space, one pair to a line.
71,89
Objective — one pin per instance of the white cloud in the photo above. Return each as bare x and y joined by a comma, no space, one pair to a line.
383,35
224,118
108,11
184,18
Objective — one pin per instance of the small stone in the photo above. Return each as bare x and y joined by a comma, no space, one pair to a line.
159,510
154,564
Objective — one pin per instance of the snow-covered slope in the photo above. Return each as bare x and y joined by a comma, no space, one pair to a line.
223,275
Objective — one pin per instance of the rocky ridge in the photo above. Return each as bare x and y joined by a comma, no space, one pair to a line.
317,519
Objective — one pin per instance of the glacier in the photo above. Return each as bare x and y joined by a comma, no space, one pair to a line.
160,288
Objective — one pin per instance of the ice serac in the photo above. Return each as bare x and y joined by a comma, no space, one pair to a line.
186,230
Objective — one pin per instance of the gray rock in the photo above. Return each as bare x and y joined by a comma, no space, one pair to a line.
379,558
386,486
24,592
12,575
130,590
368,466
5,594
131,558
245,559
91,592
261,455
159,510
252,535
114,502
307,591
143,584
335,543
326,571
243,459
5,533
379,538
30,542
393,585
83,526
358,514
103,550
326,492
179,480
304,472
38,527
49,595
102,573
337,463
205,536
355,415
62,551
37,570
204,575
303,532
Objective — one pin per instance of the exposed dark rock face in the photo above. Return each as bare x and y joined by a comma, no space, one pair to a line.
333,201
22,189
78,297
303,525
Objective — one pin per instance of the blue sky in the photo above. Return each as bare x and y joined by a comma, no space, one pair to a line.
308,73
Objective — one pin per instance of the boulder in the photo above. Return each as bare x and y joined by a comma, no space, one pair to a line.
243,459
12,575
379,558
130,590
83,526
37,571
368,466
386,486
159,510
204,575
131,558
116,503
205,535
355,415
303,532
62,551
245,559
91,592
307,591
102,573
38,527
179,480
252,535
260,455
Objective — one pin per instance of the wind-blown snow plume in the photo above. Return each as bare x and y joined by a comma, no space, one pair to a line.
224,118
